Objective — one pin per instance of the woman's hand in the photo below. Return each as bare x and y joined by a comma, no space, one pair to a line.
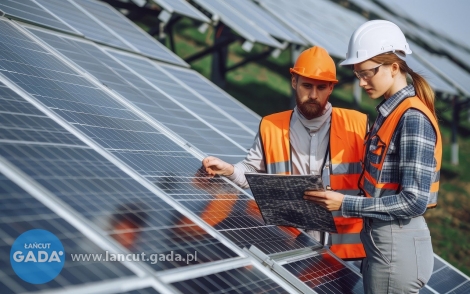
328,199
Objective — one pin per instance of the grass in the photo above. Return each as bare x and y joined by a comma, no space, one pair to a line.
264,86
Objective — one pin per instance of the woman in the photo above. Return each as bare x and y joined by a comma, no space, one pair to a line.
402,158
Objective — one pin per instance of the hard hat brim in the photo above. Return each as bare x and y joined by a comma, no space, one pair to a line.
320,78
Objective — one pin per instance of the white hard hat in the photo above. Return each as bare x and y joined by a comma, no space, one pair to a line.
373,38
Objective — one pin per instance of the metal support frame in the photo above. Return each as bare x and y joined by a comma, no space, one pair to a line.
209,50
249,59
278,269
219,57
164,30
455,126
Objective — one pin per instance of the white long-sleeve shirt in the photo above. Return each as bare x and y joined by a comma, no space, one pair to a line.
309,140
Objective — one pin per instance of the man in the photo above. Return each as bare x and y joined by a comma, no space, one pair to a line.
314,138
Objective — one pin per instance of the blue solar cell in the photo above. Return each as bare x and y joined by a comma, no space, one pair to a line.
238,22
139,145
143,95
21,212
239,280
265,21
90,184
30,11
462,289
326,275
445,279
158,77
83,23
130,32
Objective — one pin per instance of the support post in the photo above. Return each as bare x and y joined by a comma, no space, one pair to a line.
455,125
219,57
295,52
357,91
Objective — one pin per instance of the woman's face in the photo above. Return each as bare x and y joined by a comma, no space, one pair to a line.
375,78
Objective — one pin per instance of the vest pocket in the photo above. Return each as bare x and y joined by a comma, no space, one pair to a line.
424,258
376,150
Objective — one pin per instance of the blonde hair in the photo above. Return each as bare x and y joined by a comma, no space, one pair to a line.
422,88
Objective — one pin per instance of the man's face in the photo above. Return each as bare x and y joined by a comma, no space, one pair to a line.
311,95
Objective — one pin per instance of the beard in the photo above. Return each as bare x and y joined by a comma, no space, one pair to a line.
310,109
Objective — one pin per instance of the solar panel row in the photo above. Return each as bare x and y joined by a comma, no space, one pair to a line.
107,134
93,187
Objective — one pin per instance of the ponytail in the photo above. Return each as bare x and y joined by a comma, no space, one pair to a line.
422,88
424,92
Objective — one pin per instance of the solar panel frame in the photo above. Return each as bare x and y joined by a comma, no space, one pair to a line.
435,81
275,239
129,32
237,22
113,159
320,271
94,173
73,239
448,70
315,27
446,278
246,279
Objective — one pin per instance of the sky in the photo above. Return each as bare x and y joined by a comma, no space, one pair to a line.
450,17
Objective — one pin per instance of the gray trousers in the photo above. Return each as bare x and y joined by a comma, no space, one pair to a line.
399,256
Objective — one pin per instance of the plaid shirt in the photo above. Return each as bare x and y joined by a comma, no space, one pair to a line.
409,161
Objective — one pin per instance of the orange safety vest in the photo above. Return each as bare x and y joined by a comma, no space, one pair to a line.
373,187
347,132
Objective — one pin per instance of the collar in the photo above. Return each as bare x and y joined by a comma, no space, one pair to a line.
388,105
313,125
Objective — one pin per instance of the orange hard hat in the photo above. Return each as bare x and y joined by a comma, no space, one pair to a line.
315,63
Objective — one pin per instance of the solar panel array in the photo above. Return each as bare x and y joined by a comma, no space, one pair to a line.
182,7
102,123
442,74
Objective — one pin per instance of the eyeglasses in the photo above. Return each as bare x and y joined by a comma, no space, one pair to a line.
367,74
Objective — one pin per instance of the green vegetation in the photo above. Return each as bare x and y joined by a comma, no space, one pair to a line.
264,86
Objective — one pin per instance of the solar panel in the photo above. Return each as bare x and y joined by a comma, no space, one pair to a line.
141,291
239,280
244,26
217,98
140,146
446,279
130,32
30,11
325,274
144,96
183,8
21,212
265,21
79,20
455,75
325,23
436,82
79,176
156,75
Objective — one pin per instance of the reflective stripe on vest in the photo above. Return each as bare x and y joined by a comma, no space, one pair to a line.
370,181
347,132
